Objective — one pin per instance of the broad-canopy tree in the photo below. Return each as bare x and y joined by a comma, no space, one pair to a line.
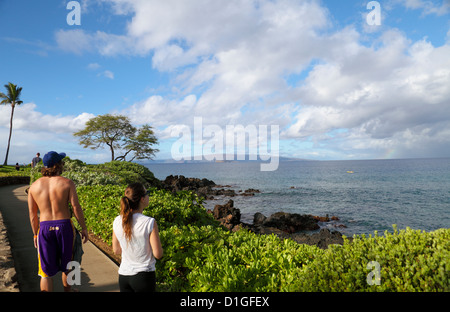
12,97
118,134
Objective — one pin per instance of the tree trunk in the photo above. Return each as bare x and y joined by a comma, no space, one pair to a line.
112,151
10,133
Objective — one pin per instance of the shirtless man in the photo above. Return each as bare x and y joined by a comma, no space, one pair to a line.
54,233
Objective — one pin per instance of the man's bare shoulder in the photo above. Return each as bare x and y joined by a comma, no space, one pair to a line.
62,179
47,181
38,183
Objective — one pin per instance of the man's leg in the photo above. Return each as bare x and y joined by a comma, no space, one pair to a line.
67,287
66,241
46,284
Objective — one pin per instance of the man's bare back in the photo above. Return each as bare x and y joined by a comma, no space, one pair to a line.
51,196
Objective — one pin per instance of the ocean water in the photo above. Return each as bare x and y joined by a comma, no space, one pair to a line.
366,195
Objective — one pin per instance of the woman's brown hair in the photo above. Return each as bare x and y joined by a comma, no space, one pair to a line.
130,203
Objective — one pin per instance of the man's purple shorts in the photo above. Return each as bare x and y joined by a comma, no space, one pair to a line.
55,246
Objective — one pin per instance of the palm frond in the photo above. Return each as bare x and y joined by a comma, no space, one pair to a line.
13,94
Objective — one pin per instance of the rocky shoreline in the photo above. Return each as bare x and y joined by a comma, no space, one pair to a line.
202,187
304,229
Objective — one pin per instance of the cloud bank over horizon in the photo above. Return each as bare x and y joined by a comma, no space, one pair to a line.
337,88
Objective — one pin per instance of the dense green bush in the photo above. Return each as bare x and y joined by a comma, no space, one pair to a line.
128,172
101,204
181,244
199,255
202,256
82,174
111,173
409,260
180,209
209,258
244,261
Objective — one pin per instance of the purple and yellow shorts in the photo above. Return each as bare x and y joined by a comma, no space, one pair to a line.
55,246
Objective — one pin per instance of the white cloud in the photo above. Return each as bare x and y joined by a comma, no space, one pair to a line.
108,74
232,60
96,67
93,66
427,7
396,97
78,41
160,112
36,132
27,118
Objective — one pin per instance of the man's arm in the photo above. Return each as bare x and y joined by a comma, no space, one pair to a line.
73,197
33,212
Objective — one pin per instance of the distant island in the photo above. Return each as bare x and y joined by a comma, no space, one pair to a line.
226,159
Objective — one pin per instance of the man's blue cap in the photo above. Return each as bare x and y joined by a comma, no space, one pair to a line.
52,158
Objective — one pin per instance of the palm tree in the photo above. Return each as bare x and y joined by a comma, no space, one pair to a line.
12,97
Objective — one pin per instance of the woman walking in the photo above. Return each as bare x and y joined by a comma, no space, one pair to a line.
136,238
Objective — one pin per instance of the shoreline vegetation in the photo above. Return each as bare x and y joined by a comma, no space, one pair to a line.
213,251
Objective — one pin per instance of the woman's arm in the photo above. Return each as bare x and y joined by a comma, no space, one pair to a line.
116,245
155,242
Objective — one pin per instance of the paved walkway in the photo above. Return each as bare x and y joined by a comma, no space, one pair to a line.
98,272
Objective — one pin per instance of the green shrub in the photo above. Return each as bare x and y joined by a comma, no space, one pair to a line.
101,204
79,173
178,209
182,245
409,260
128,172
199,255
35,173
83,175
111,173
244,261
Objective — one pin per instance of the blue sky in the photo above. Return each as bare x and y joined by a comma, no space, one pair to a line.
337,87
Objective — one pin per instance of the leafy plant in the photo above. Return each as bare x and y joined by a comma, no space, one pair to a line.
245,261
111,173
128,172
410,260
200,255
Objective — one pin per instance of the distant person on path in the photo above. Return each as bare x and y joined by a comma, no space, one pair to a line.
136,238
54,233
36,160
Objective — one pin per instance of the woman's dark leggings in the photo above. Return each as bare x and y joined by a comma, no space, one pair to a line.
141,282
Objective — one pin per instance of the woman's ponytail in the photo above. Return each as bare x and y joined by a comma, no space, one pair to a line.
129,203
127,214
